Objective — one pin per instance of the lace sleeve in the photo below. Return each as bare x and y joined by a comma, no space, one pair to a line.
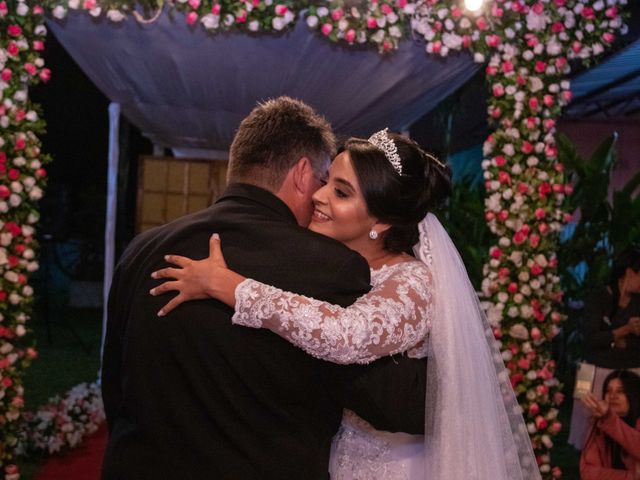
394,316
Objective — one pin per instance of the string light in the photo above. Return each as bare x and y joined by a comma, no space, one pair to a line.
473,5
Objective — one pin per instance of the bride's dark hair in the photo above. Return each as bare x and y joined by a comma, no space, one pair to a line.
399,200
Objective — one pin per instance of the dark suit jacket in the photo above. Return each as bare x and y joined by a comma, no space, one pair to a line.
192,396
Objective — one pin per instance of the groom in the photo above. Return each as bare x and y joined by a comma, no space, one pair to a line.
191,396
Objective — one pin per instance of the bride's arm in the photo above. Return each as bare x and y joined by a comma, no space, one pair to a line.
391,318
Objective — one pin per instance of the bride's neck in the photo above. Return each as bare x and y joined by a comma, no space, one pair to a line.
378,257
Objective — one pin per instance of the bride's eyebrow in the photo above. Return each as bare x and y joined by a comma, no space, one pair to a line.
345,183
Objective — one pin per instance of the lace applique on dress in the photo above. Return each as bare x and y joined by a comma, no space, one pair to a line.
360,452
393,317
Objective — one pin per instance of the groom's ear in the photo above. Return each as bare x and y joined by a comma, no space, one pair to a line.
301,176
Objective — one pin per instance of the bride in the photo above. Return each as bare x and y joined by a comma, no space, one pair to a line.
376,201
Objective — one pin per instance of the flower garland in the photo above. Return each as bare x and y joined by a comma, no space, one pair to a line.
22,179
528,45
64,422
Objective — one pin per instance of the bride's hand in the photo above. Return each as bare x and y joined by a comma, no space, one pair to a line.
198,279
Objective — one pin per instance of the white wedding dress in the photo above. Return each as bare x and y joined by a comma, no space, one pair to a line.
393,317
474,427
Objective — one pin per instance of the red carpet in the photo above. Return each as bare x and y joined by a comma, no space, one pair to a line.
83,463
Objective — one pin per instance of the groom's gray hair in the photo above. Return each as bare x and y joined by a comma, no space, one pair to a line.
271,140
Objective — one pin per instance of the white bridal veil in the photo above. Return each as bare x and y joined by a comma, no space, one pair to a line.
474,425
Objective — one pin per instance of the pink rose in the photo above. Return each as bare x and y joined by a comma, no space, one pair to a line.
523,188
38,10
14,30
491,70
543,228
493,40
538,8
281,9
326,28
387,45
466,41
548,100
532,40
534,409
567,95
548,123
215,9
386,9
568,189
4,191
576,47
337,14
372,23
523,363
5,75
534,240
588,13
558,398
496,112
503,215
611,12
527,147
489,216
556,317
561,62
45,75
541,423
192,18
3,9
481,23
498,90
436,46
194,4
512,288
507,66
496,11
533,104
500,161
30,68
504,177
38,45
495,252
20,143
456,12
241,17
540,213
12,49
550,151
535,269
557,27
503,272
608,37
89,4
350,36
519,237
540,66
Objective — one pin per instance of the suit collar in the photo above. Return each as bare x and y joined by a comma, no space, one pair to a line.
258,195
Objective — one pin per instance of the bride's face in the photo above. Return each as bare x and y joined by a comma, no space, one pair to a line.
340,210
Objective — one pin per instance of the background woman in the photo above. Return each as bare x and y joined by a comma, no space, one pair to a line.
612,450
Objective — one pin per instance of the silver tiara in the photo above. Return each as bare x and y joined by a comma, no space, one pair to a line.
383,141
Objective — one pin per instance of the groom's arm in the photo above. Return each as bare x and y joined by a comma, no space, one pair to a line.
391,394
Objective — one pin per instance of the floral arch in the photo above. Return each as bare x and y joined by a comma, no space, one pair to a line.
528,47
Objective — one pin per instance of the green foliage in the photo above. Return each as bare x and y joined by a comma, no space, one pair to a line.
608,223
464,220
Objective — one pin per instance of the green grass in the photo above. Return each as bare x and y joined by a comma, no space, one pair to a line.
68,344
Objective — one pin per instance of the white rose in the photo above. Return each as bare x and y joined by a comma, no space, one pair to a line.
254,26
508,150
519,331
16,187
27,230
510,90
32,266
343,24
6,239
448,24
95,12
516,258
11,276
526,290
14,200
442,13
278,23
507,194
516,169
599,5
531,428
597,49
20,96
35,193
478,57
22,9
393,18
115,15
20,330
528,55
27,291
532,375
75,4
513,312
29,254
518,298
554,48
4,121
535,284
535,21
503,297
509,33
322,11
312,21
451,40
210,21
381,22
